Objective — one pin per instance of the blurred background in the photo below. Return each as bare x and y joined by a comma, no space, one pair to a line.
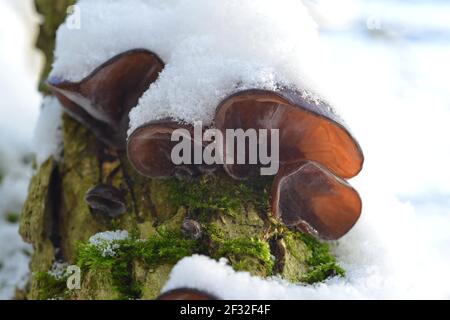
390,69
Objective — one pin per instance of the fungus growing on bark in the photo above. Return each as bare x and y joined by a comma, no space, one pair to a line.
308,196
316,151
102,100
186,294
150,150
191,229
107,200
307,130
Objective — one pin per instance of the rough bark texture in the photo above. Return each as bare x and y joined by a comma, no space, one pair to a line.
234,219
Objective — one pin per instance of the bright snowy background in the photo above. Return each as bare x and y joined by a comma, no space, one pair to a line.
390,67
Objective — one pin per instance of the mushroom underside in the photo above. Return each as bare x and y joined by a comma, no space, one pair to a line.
102,100
150,150
311,198
307,131
107,200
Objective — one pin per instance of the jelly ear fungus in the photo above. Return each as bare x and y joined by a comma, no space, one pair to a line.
103,100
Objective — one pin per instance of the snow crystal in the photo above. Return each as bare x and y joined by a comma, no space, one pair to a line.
108,242
47,140
58,270
211,49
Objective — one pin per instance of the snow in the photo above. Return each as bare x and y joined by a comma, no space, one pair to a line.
14,258
392,90
47,138
207,54
19,108
108,242
58,270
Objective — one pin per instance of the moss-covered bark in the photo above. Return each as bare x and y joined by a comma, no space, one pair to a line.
233,216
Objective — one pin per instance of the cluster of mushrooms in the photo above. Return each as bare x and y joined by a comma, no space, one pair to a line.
317,151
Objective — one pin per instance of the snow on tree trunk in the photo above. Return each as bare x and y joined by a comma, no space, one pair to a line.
232,219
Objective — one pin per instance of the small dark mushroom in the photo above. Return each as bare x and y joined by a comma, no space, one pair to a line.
150,148
186,294
307,130
310,197
191,229
107,200
102,100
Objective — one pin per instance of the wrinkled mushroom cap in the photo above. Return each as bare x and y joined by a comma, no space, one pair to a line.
186,294
105,97
308,130
310,197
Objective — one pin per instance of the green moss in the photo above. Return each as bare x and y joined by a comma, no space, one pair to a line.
240,249
242,252
50,287
217,192
164,247
91,258
321,263
215,233
198,194
322,272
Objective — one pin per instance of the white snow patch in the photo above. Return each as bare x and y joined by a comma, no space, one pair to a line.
211,49
14,258
108,242
47,140
58,270
19,106
381,260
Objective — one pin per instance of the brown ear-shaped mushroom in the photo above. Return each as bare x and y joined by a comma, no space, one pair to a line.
106,199
150,148
310,197
307,130
186,294
102,100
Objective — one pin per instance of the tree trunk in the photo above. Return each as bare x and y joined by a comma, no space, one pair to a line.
234,219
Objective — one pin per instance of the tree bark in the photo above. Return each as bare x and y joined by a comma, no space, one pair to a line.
234,218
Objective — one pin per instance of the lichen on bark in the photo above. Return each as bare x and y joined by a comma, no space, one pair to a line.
234,218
